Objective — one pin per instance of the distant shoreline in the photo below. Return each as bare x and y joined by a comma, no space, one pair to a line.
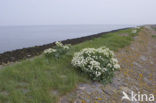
19,54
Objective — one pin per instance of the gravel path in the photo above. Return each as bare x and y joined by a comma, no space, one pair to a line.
138,74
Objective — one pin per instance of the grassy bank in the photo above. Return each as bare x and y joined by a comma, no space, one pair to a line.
40,81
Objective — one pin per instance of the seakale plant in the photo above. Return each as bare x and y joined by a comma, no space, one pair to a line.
58,51
99,64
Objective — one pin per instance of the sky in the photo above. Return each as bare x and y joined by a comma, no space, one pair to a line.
62,12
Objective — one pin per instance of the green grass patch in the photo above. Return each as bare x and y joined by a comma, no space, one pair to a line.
153,36
39,81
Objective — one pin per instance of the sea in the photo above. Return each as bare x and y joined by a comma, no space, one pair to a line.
18,37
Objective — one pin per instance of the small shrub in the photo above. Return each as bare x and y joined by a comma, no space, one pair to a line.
49,52
99,64
134,31
57,51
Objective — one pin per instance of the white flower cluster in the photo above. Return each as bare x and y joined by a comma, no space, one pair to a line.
59,50
134,31
95,62
59,44
66,47
49,51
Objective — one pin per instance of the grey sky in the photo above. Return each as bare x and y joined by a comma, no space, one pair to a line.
51,12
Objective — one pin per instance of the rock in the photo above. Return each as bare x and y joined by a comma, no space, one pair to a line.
149,82
137,64
109,90
4,93
151,62
143,58
132,48
125,89
54,92
82,88
116,82
77,101
28,55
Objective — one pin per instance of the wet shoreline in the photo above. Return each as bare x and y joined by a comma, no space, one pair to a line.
19,54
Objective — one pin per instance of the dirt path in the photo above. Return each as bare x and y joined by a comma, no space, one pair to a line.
138,74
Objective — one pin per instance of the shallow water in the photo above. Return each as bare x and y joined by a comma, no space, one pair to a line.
17,37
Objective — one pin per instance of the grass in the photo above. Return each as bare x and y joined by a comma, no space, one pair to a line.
39,81
154,36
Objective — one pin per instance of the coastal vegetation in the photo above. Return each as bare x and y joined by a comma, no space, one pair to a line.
99,63
58,51
39,80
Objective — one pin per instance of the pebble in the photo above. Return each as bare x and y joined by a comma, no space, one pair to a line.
143,58
4,93
137,64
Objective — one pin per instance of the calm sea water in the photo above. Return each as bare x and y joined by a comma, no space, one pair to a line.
17,37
